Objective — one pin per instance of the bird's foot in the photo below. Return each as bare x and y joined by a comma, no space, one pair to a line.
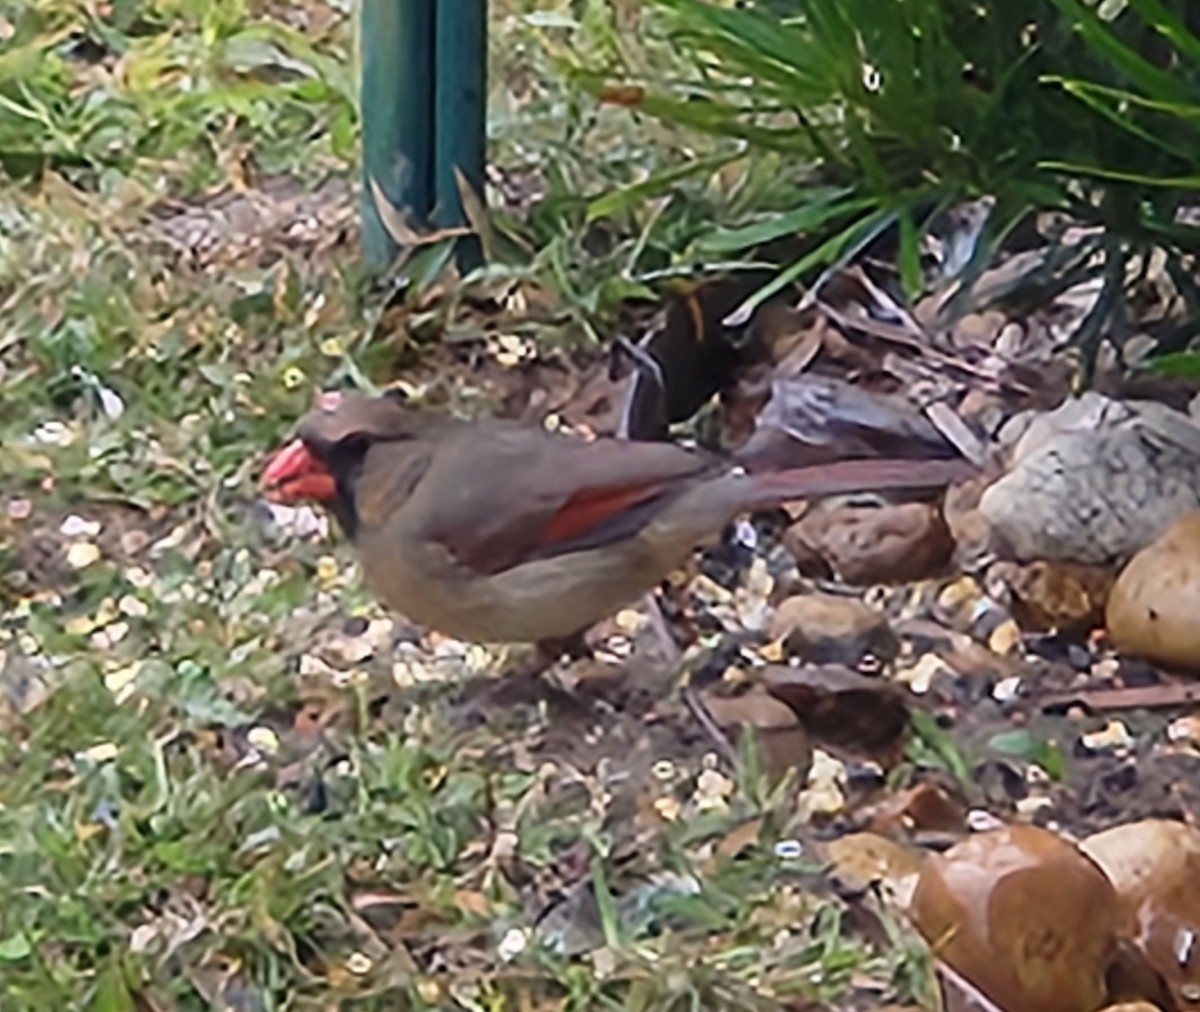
530,682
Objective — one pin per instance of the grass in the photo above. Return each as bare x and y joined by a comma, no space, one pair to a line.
202,804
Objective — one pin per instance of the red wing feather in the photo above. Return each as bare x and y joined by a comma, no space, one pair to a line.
590,508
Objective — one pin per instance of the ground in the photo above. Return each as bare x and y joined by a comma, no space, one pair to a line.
230,779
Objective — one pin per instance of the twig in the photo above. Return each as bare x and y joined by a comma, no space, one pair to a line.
703,716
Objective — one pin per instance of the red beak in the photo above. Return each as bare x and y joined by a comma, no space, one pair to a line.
294,475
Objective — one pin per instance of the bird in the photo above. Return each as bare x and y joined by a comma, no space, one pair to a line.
498,531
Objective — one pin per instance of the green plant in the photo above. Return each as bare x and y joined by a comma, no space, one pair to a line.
886,116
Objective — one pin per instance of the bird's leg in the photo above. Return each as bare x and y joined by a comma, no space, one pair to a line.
547,654
535,671
662,631
687,692
528,681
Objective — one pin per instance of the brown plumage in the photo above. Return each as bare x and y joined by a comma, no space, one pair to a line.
496,531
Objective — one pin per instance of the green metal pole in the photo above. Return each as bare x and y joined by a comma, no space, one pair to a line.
460,112
397,45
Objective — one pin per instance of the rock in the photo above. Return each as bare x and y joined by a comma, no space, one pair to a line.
1095,481
1154,865
783,742
1055,596
924,807
860,861
968,527
1024,916
984,409
1091,412
842,710
865,545
825,629
1153,608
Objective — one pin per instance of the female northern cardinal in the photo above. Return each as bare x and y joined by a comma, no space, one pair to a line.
494,531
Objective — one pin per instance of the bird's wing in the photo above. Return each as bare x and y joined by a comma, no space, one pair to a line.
495,496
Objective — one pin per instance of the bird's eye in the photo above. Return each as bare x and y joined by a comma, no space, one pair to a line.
353,445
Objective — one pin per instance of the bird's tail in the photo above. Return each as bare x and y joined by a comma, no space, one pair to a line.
763,491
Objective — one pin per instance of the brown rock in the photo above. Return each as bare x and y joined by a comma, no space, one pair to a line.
924,807
1024,916
1154,866
1154,606
967,525
861,860
864,545
825,629
753,709
843,711
783,742
1066,596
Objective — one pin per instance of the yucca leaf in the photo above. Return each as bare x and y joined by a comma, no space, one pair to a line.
779,51
1118,176
833,254
820,208
1164,21
629,197
1093,97
909,258
1182,110
915,105
1182,364
1132,64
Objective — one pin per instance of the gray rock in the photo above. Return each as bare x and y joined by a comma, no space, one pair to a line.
1096,481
